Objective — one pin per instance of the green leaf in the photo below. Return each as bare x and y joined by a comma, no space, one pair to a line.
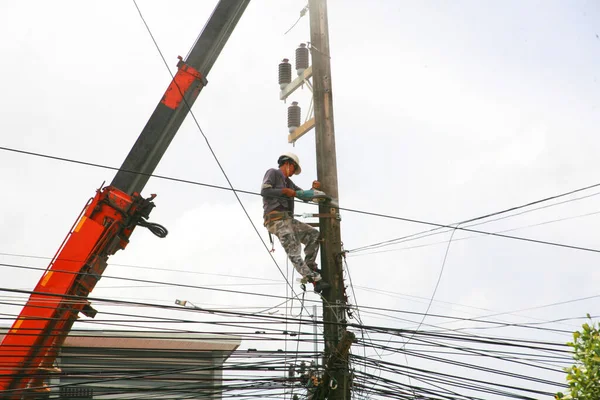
583,377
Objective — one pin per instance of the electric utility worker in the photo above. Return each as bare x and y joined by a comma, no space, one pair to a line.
278,192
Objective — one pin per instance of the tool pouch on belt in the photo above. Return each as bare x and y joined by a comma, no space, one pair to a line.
276,216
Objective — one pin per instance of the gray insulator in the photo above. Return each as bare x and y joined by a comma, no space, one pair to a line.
285,73
301,58
294,116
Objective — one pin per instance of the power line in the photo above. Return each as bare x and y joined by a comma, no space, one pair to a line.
145,267
374,214
483,341
392,241
174,284
495,234
274,318
468,237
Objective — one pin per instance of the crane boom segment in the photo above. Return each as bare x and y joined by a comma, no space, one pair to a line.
30,347
169,114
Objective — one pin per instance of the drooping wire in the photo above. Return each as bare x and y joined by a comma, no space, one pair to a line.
212,150
302,14
437,284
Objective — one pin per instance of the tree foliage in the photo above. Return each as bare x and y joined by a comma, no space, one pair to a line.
583,376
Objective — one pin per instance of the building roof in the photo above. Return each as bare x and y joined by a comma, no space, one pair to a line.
155,340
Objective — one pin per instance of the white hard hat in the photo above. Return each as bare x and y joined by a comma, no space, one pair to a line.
290,157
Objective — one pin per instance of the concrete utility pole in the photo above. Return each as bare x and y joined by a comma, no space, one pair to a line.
334,306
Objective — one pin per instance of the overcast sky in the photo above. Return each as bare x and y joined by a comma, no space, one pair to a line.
444,111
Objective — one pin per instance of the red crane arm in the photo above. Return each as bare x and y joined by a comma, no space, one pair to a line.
29,348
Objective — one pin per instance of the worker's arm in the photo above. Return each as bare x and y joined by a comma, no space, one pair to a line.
274,185
295,187
314,194
315,185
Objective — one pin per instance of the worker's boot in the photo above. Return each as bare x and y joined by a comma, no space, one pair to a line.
321,285
318,282
314,268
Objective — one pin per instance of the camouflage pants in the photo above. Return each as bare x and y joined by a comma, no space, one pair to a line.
290,234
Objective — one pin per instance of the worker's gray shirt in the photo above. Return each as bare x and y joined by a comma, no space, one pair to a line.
273,198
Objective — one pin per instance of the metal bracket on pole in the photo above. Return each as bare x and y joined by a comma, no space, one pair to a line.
332,215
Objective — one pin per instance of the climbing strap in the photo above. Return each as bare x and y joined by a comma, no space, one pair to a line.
272,244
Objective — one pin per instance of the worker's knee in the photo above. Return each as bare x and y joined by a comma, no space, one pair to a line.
296,259
314,234
289,243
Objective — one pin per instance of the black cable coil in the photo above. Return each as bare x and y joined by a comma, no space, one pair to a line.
155,228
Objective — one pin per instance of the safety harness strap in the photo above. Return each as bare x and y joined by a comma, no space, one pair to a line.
276,216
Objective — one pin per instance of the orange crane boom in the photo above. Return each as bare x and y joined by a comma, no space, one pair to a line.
29,349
